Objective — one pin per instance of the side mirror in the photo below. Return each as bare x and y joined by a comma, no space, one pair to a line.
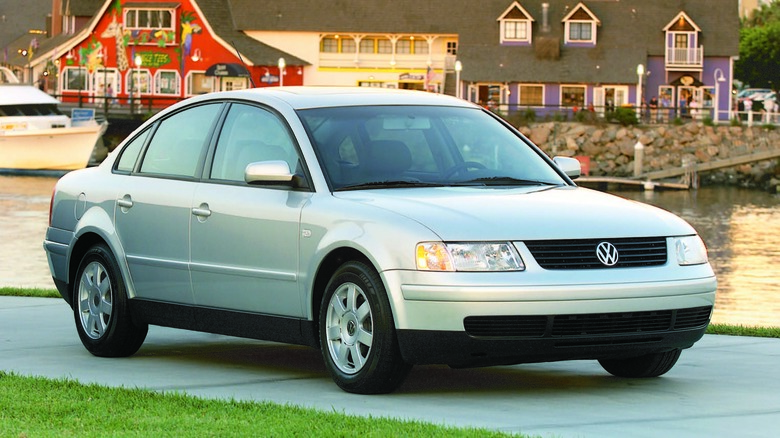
273,172
570,166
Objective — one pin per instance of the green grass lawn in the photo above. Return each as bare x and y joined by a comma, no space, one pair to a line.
36,407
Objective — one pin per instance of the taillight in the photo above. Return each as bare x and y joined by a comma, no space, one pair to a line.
51,204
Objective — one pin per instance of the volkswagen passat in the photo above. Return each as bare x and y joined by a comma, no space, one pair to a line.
386,228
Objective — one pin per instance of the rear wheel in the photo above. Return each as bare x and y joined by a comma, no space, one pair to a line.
100,307
649,365
357,333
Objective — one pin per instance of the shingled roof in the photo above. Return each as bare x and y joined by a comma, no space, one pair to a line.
631,30
219,14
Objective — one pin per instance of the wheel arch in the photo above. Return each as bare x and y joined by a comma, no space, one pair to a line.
325,271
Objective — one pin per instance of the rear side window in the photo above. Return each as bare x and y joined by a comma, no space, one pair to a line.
130,153
178,143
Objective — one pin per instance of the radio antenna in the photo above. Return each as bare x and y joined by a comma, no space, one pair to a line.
251,81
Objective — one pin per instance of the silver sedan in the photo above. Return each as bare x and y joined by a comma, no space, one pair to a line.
386,228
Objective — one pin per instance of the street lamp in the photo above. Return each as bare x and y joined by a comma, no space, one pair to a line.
138,62
458,69
640,73
282,65
718,77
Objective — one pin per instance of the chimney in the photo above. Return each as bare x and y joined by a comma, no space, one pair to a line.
56,18
545,17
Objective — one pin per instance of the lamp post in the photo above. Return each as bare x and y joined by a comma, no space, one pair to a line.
138,62
640,73
458,69
718,77
282,65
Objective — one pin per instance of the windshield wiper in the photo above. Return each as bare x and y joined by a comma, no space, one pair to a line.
504,181
388,185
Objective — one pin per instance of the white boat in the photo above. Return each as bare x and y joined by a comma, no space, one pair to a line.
35,135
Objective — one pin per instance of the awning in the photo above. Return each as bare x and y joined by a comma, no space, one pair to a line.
687,81
231,69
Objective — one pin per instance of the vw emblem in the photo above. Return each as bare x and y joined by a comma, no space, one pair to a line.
607,253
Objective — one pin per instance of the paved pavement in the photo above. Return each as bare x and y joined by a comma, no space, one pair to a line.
723,386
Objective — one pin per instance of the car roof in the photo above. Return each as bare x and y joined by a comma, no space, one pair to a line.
306,97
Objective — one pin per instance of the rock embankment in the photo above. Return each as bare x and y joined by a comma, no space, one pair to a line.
610,149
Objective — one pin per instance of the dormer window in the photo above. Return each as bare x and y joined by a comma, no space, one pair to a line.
516,24
683,51
580,26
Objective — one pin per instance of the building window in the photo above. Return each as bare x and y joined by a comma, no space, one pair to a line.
452,48
384,45
74,78
580,25
348,45
199,83
681,40
531,95
580,32
403,47
138,79
573,95
420,47
143,18
166,82
329,45
515,30
367,45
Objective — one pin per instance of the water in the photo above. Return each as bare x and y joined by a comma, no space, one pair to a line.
740,227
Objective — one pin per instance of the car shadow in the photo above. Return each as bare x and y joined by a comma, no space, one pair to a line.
273,362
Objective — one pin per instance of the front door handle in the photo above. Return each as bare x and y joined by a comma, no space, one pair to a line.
126,202
202,212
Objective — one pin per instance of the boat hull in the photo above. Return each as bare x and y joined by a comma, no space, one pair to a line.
49,149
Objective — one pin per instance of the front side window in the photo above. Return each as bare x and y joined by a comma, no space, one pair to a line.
177,145
401,146
249,135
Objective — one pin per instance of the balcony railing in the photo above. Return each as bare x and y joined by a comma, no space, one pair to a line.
684,58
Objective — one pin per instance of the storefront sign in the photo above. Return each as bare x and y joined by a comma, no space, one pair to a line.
411,77
154,59
227,70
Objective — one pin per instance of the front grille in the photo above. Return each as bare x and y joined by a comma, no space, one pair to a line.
594,324
581,254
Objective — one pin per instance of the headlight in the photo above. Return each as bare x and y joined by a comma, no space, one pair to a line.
468,257
690,250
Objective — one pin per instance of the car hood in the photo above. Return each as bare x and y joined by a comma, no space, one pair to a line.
468,213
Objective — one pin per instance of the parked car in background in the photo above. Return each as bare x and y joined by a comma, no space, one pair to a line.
385,227
754,94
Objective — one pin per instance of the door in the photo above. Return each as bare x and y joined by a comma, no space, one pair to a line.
153,206
244,238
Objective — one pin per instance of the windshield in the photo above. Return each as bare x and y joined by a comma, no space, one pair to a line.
418,146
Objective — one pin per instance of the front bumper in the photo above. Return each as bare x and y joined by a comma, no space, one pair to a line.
633,315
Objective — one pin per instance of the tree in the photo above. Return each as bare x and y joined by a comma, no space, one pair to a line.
759,48
759,56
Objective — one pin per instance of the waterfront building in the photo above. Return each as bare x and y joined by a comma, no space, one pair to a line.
512,55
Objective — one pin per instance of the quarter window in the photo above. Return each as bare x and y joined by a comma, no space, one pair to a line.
178,143
130,153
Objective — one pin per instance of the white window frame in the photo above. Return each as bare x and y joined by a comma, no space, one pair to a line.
188,82
145,79
592,25
509,18
144,26
64,76
584,95
520,94
158,82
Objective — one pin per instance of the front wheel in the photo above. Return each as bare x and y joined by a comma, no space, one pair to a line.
100,307
357,333
649,365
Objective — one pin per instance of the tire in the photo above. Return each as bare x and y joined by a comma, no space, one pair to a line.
100,307
357,332
649,365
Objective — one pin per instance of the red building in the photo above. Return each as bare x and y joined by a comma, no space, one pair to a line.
163,51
